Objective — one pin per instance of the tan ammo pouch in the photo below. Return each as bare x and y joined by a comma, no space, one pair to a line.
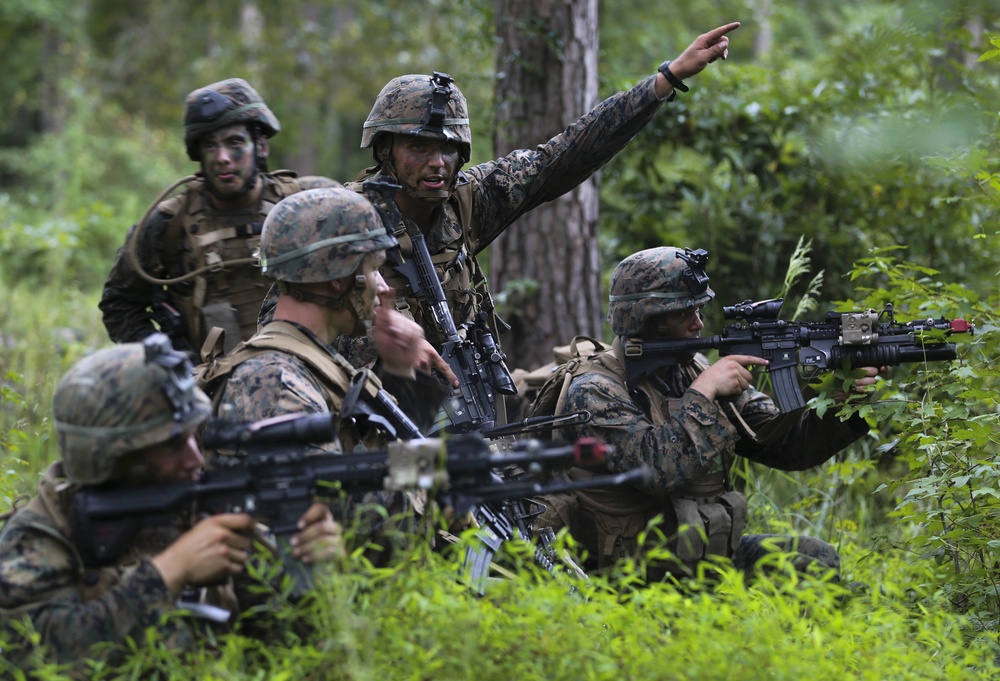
610,520
561,509
708,525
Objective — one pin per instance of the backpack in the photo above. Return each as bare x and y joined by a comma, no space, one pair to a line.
546,387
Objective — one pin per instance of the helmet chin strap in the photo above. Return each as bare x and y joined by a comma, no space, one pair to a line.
352,300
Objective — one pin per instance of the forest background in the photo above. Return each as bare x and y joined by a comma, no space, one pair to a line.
862,132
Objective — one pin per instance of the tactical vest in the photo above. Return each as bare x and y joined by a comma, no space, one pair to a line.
224,296
463,281
704,517
333,372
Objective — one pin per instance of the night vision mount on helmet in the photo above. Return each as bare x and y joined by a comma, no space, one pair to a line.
654,281
421,106
123,399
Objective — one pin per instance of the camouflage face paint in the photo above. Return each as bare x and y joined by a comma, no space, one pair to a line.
425,165
229,162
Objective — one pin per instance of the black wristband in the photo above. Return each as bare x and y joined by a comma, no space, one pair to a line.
669,75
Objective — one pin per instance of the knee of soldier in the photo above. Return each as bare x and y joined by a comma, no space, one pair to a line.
819,554
808,555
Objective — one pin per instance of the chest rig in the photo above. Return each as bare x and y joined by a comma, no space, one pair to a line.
216,278
702,518
463,281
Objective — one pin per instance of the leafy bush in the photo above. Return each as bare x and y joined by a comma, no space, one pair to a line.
847,151
415,621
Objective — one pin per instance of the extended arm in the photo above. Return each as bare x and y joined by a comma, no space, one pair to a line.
526,178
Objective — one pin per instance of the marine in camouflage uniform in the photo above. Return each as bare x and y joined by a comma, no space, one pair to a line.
323,247
686,423
124,415
189,265
460,212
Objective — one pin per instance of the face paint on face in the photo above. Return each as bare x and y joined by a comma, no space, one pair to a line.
425,165
229,162
375,287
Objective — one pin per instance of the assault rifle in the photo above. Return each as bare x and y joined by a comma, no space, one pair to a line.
843,339
473,355
280,477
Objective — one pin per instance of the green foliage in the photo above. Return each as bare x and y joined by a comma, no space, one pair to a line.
46,330
416,621
838,150
12,439
859,130
85,185
943,425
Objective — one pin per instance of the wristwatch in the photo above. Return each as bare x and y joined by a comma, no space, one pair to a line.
669,75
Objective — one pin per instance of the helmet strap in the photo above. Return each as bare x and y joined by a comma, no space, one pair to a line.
304,295
350,299
256,133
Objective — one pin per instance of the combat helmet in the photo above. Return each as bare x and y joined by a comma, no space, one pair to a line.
422,106
123,399
655,281
320,235
225,103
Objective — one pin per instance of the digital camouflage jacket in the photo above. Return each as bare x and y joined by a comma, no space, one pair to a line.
491,196
75,607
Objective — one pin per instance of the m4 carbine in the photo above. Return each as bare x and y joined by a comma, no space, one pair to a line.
473,354
281,476
843,339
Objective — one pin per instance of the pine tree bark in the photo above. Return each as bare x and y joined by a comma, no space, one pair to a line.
547,266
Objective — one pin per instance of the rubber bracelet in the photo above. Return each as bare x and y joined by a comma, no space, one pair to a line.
669,75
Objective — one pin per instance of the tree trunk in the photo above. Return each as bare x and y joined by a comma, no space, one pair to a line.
547,267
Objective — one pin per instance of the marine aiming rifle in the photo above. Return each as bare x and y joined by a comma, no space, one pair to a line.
281,476
471,352
842,340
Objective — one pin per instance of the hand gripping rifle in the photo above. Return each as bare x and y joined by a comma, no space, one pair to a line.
843,339
475,357
280,477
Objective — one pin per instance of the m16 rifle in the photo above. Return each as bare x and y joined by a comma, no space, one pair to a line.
842,340
280,476
471,352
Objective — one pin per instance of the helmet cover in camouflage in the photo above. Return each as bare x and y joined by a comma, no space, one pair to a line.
651,282
123,399
224,103
421,106
320,235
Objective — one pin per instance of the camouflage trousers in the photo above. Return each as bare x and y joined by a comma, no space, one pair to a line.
808,555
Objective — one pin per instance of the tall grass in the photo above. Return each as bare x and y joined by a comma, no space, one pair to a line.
44,330
415,621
